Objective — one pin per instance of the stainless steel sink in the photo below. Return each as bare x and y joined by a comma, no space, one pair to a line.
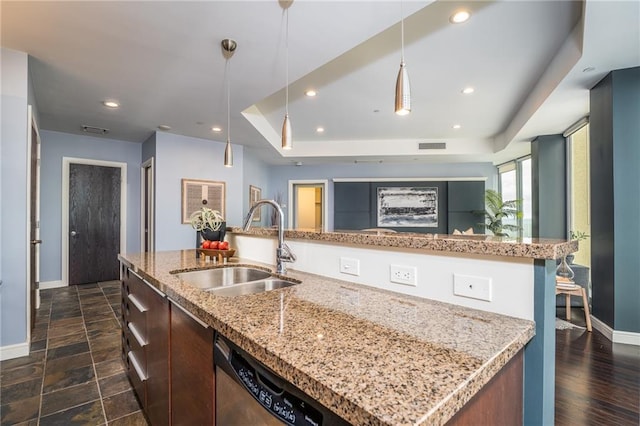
208,279
252,287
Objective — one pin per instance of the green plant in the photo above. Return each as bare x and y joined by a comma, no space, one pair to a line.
578,235
206,218
497,210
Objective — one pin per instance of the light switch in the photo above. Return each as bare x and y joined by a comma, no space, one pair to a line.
472,287
349,266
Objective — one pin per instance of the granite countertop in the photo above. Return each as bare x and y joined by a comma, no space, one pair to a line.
372,356
535,248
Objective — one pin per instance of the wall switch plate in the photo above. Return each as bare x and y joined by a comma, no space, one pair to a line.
400,274
349,266
472,287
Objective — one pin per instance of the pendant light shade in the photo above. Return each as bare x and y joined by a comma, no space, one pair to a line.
228,155
287,143
403,87
287,139
228,47
403,91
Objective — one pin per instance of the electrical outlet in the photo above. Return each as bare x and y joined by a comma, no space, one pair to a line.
472,287
403,274
349,266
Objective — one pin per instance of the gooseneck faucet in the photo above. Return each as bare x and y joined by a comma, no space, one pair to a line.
283,252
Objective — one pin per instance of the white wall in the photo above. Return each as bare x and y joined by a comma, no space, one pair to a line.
511,278
179,157
13,199
55,146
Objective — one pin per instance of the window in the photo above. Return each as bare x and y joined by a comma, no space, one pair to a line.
515,184
578,191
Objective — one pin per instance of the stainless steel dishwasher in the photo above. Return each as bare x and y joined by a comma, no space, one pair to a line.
248,393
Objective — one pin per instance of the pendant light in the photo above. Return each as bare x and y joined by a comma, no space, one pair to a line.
403,88
229,46
287,142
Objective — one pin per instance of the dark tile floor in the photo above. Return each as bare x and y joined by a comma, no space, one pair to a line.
74,374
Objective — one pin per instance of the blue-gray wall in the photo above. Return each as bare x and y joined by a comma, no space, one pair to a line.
280,175
256,173
149,147
55,146
548,182
13,198
179,157
615,199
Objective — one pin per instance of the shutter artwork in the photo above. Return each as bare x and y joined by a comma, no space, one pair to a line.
202,193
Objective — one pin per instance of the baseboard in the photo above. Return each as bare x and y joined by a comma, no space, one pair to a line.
626,337
616,336
51,284
14,351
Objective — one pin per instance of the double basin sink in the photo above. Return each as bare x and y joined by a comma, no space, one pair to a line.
234,280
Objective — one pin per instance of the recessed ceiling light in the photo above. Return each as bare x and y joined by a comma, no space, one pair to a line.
460,17
320,129
110,104
468,90
311,93
164,127
457,126
216,129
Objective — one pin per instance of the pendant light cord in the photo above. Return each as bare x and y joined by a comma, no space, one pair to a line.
286,104
228,100
401,32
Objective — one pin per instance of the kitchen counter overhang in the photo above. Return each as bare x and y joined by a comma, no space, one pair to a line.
370,355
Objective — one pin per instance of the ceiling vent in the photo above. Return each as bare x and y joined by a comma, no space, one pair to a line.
95,130
432,145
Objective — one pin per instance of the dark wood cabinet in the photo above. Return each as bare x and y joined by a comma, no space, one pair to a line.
145,345
192,373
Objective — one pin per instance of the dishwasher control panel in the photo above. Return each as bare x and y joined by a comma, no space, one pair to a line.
279,402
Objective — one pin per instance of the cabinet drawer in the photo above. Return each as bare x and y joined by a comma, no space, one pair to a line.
137,377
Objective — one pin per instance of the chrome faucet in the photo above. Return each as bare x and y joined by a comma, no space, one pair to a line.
283,252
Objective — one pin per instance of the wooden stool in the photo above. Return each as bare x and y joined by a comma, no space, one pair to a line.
572,289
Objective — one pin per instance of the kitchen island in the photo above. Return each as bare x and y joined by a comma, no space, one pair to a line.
371,356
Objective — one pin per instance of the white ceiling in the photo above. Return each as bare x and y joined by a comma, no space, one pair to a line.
162,61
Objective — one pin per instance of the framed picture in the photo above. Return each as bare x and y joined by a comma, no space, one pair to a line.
408,207
198,193
255,194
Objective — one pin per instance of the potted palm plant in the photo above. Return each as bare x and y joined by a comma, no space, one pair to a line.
497,210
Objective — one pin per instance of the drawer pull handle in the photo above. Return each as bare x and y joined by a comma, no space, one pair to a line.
136,303
136,334
161,294
136,366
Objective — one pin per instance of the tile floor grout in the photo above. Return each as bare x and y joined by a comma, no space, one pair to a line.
60,360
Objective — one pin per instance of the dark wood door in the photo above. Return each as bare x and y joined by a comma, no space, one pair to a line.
94,223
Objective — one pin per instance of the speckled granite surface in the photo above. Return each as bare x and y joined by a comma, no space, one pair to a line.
371,356
536,248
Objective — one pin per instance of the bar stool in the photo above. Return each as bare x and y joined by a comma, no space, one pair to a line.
569,288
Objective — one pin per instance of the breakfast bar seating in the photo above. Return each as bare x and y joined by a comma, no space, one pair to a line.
570,288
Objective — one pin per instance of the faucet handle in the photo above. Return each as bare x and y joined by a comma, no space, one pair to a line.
286,254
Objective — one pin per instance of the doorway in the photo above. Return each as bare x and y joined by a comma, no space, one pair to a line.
94,220
308,201
147,206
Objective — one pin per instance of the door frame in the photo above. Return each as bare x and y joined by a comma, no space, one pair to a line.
149,164
324,183
32,125
66,163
